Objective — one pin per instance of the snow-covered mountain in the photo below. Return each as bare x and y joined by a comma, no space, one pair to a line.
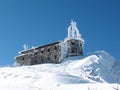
96,71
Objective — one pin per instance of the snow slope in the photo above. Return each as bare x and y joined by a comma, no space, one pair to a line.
97,71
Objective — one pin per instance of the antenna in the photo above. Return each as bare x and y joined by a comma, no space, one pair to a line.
25,46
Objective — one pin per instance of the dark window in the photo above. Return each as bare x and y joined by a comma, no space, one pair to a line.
48,49
48,58
72,43
55,56
35,61
42,51
36,53
42,60
22,58
55,48
80,44
73,51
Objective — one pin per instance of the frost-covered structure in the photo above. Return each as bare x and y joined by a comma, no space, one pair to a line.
74,41
54,52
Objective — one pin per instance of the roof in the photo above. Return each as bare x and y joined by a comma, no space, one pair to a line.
39,47
47,45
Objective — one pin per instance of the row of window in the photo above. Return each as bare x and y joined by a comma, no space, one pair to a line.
55,57
42,60
73,43
48,50
55,48
48,58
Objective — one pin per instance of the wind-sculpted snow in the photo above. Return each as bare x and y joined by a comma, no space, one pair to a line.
98,67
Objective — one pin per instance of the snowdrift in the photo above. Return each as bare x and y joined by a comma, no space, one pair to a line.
98,67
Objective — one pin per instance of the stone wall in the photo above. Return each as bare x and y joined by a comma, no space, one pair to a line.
75,47
45,54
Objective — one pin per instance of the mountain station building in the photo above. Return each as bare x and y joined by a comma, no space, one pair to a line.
54,52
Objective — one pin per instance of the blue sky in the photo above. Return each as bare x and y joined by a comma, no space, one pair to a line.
39,22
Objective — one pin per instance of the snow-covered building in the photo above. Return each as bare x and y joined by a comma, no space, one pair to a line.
55,52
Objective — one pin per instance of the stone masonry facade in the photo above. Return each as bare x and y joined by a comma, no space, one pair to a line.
54,52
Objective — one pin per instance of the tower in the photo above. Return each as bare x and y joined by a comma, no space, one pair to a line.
74,41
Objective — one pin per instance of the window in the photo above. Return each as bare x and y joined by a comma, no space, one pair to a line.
55,56
36,53
35,61
55,48
42,51
22,58
42,60
48,49
80,44
72,51
72,43
48,58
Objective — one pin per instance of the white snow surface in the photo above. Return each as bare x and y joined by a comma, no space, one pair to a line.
97,71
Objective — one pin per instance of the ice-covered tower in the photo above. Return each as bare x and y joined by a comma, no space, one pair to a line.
74,41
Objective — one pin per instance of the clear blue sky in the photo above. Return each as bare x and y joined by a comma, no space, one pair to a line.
39,22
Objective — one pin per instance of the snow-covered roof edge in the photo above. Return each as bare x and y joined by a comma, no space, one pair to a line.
34,48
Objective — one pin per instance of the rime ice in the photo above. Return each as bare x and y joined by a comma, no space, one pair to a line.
54,52
73,32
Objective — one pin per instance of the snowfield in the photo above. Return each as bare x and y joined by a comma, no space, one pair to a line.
97,71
